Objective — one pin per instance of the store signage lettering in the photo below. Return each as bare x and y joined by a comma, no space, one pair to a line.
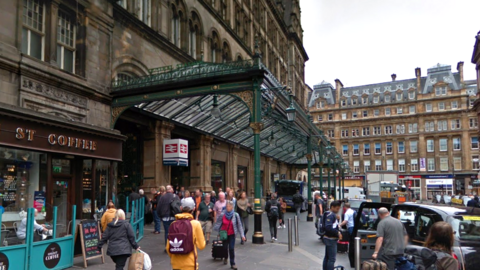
55,139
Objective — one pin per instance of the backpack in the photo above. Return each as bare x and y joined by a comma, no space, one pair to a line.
297,198
424,258
321,224
403,263
273,209
180,237
324,204
175,206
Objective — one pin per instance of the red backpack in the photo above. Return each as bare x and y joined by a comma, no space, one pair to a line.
180,237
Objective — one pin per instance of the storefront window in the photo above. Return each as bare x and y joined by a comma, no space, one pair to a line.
242,178
102,176
414,185
218,175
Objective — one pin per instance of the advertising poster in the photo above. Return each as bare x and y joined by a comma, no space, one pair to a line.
39,200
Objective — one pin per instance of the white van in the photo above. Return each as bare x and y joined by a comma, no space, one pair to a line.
351,193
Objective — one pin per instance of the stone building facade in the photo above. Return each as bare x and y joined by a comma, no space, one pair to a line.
59,58
422,127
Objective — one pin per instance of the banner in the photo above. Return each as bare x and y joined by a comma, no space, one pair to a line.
422,165
38,200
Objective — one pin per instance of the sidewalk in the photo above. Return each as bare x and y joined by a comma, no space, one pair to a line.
309,255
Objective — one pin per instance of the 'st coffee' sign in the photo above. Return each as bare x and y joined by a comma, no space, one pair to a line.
52,255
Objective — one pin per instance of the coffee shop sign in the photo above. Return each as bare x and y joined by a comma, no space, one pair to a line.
57,139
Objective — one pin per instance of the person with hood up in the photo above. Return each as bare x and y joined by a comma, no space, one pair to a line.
121,240
108,216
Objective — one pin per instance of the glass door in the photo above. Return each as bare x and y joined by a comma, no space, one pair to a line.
61,199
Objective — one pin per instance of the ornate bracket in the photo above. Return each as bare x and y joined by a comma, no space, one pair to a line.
116,112
257,127
309,157
247,98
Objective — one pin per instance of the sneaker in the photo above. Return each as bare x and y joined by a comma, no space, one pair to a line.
284,226
234,266
279,227
273,239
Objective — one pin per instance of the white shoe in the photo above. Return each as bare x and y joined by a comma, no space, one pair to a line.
275,239
279,227
284,226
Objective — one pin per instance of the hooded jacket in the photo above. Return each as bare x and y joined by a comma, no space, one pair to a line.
187,261
108,217
120,238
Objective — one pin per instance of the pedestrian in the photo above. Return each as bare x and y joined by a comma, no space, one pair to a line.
213,196
229,221
206,216
268,195
198,199
163,210
147,213
473,202
297,202
330,200
220,190
121,239
220,204
231,197
272,208
332,236
242,205
440,240
156,219
186,195
392,238
318,203
283,210
348,219
133,195
181,193
108,216
185,260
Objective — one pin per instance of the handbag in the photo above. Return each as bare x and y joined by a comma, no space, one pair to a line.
249,210
224,233
136,261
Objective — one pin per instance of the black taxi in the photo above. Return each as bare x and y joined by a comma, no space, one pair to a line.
417,219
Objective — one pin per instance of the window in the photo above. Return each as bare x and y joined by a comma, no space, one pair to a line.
366,149
355,133
387,97
455,124
122,3
401,147
378,148
430,145
471,101
401,165
457,163
387,111
366,165
430,164
475,163
144,11
389,164
429,126
440,91
473,122
378,165
354,115
413,146
344,133
411,109
345,149
411,95
320,118
399,96
331,133
320,104
344,102
389,148
365,113
414,165
388,130
456,144
65,42
474,142
400,129
356,166
33,31
355,150
443,145
444,164
442,125
366,131
413,128
376,99
454,105
364,100
376,112
399,110
428,107
223,10
176,33
330,116
354,100
441,106
344,116
377,130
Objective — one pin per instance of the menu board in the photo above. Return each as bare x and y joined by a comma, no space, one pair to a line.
88,234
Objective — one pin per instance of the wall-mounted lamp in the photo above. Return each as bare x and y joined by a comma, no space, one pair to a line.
215,112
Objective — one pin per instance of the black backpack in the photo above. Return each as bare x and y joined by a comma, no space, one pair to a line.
273,209
175,206
424,258
321,224
297,198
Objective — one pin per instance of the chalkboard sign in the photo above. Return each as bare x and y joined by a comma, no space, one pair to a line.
88,234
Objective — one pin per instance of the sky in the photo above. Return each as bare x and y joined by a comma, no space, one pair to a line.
365,41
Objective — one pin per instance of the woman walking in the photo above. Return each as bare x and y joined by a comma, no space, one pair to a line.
229,221
440,240
121,240
231,197
242,205
283,210
272,208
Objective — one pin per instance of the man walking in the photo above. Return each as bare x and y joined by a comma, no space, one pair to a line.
272,208
332,235
298,201
163,209
318,207
220,204
156,219
198,200
391,240
349,219
206,216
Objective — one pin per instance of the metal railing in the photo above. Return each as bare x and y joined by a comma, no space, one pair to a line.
137,217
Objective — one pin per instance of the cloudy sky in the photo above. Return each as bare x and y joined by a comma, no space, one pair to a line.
365,41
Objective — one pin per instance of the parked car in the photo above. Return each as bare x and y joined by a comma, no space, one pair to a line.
417,219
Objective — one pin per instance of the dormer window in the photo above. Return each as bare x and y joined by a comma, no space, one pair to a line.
354,100
344,102
399,96
376,99
440,91
365,100
411,95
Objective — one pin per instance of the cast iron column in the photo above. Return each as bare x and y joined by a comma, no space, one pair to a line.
328,171
321,170
335,174
309,168
343,183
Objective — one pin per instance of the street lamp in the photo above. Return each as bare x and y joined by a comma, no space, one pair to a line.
329,152
291,111
271,139
215,112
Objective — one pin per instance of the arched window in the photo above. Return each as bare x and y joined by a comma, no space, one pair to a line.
175,27
194,35
226,54
239,58
214,47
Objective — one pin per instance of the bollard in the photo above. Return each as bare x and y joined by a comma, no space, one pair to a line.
297,238
289,224
357,253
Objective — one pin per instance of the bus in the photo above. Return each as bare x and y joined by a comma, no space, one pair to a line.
287,188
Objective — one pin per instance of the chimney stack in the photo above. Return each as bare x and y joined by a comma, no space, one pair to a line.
460,71
394,77
418,75
338,89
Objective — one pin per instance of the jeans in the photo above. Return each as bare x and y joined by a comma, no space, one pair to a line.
245,225
297,210
282,218
273,226
120,261
229,244
330,253
166,226
350,231
156,220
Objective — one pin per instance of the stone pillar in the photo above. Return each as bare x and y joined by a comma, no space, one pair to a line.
268,174
51,34
231,167
201,159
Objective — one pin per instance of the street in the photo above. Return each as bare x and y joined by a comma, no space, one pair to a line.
309,255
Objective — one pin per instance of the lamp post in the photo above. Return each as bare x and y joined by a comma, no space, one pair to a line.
335,174
329,150
309,189
320,163
291,111
343,179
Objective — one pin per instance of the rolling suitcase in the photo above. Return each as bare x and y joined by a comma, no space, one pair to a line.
373,265
218,250
342,247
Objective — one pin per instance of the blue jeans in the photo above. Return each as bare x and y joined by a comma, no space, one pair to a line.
298,208
350,231
166,226
229,244
330,253
157,221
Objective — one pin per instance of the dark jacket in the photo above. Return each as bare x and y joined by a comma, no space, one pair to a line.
133,197
269,204
330,219
120,238
297,199
163,205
